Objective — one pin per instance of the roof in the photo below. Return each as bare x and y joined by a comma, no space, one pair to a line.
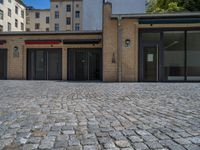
157,16
21,2
16,33
38,9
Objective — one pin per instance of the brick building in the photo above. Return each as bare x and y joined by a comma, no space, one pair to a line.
131,47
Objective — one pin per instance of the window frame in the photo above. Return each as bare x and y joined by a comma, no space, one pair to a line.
68,21
1,15
37,15
68,8
77,14
57,15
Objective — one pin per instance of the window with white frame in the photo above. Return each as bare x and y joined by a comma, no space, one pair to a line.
57,27
9,26
77,15
56,14
9,12
1,14
77,26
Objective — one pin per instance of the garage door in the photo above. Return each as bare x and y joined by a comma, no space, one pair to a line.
44,64
3,63
84,64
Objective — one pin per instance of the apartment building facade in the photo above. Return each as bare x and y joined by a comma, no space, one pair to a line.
12,15
37,19
92,11
66,15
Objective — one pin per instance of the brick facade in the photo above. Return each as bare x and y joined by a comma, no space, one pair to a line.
120,63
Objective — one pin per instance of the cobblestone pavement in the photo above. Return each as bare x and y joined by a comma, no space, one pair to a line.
95,116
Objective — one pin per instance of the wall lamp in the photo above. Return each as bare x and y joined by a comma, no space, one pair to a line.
127,43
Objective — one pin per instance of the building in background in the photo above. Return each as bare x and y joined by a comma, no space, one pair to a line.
66,15
37,19
12,15
92,11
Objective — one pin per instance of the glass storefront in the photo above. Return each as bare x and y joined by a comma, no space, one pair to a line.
193,55
174,51
177,55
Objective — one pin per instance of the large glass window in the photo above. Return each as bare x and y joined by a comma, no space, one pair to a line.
193,55
174,55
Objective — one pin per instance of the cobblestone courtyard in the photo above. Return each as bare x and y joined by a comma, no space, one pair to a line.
92,116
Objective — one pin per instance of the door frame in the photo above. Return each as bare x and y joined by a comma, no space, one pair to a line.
158,63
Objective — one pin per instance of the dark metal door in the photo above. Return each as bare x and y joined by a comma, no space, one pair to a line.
54,65
84,64
44,64
3,63
40,65
81,65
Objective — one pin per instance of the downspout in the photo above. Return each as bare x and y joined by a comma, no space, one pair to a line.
119,49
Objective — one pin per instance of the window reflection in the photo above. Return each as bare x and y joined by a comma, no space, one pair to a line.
174,68
193,55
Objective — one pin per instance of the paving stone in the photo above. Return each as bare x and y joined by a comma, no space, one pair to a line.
140,146
172,145
30,146
154,145
74,142
109,145
74,148
68,132
192,147
74,116
195,140
135,139
59,144
183,141
122,143
39,133
117,135
47,143
90,147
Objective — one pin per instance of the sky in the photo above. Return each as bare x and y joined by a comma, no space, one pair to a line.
39,4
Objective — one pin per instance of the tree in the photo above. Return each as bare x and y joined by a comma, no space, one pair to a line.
163,6
191,5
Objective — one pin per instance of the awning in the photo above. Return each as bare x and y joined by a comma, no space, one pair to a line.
81,41
51,42
170,21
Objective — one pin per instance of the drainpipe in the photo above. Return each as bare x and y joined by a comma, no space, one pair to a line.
119,48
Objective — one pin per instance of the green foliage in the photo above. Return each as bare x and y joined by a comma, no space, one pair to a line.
164,6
